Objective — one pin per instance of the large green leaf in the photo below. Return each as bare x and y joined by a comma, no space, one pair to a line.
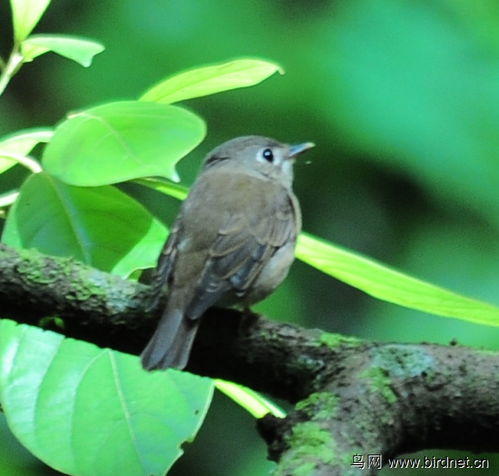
19,144
77,49
90,411
212,79
25,15
100,226
122,141
393,286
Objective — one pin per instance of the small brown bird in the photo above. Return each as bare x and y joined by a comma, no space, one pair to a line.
232,242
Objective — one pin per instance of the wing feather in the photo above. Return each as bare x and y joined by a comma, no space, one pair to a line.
164,268
244,244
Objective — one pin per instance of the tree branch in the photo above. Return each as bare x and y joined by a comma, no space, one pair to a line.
351,396
96,306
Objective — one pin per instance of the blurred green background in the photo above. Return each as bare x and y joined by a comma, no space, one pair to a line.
402,100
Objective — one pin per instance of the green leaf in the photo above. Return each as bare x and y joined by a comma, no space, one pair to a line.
100,226
122,141
393,286
254,403
86,411
25,15
77,49
20,143
212,79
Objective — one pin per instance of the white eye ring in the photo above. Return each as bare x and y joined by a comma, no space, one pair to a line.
266,155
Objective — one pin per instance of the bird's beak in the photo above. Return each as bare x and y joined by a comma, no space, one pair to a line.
294,150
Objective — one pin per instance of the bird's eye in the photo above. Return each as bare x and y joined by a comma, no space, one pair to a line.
268,155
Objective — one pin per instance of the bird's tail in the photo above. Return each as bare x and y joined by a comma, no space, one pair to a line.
170,345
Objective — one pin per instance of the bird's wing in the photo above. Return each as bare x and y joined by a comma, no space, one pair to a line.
243,245
164,268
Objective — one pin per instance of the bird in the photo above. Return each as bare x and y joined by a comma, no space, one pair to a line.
232,242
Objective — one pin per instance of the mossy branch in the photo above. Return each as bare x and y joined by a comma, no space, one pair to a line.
352,397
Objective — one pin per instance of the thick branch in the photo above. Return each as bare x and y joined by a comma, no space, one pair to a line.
352,396
96,306
356,397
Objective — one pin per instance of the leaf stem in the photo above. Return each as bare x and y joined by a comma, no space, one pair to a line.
10,68
28,162
9,198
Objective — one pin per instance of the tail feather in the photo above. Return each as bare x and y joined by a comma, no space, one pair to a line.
170,346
